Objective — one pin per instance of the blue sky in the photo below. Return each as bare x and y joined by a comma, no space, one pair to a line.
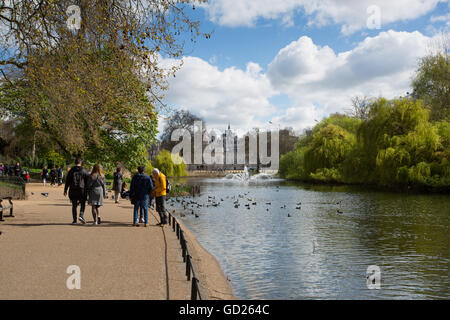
293,61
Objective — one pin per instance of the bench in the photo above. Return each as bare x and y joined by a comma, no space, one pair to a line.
7,206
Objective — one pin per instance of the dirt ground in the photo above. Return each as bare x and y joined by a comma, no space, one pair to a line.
116,260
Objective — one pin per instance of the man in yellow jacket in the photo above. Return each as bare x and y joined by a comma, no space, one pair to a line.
160,194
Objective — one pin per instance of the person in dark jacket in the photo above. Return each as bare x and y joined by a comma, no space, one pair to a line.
76,182
44,175
96,191
60,174
53,176
18,170
117,184
140,189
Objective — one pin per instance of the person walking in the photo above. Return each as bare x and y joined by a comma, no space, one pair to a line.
160,195
140,189
96,192
53,176
117,184
60,174
44,174
76,182
17,170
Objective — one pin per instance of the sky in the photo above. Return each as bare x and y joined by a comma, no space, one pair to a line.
289,63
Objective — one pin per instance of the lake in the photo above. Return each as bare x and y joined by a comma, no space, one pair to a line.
297,241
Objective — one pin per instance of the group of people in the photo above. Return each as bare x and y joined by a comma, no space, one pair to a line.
14,170
55,174
82,186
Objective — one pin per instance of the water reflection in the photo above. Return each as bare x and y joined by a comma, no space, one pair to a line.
317,252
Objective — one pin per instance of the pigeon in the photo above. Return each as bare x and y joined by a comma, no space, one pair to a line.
196,215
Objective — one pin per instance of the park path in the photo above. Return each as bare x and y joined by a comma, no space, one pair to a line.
117,261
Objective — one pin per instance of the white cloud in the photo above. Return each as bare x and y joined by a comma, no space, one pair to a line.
439,19
351,14
317,80
381,65
222,96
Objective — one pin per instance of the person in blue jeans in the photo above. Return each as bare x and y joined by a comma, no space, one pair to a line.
140,189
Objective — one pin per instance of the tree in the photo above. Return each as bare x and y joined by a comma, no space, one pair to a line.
287,140
164,161
95,91
432,82
181,119
360,107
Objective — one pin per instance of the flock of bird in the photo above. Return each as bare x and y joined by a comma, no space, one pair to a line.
241,199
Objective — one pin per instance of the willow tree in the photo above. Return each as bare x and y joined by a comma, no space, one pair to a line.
94,88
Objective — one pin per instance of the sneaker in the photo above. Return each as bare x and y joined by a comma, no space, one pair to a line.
82,220
74,222
99,220
95,223
135,225
141,220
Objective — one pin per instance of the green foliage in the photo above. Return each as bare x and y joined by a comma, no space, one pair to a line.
54,158
432,84
396,145
169,164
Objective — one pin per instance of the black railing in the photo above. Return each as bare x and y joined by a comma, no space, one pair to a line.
187,258
12,186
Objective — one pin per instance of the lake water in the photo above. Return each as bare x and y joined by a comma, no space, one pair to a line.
317,252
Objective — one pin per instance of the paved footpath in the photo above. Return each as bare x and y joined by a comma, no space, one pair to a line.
116,260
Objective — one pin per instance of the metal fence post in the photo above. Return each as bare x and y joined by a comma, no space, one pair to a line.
188,267
194,289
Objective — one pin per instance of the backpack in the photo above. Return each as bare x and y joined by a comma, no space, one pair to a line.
168,186
78,180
